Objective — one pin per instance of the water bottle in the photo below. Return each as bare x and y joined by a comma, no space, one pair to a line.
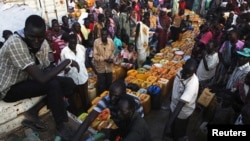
31,135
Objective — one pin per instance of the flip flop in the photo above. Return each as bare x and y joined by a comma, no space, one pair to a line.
36,126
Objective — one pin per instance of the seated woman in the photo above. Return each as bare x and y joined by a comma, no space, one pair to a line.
129,56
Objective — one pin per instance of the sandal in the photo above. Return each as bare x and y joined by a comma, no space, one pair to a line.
36,126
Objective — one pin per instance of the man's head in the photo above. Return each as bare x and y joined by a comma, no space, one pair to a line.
116,7
76,27
55,25
101,18
98,4
146,15
104,35
108,13
91,18
124,113
107,23
126,108
131,47
116,90
65,20
233,36
34,32
211,46
86,22
7,34
181,12
163,11
72,39
189,68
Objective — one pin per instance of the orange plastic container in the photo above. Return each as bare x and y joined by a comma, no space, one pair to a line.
152,79
138,82
141,76
164,88
146,84
146,103
132,72
129,79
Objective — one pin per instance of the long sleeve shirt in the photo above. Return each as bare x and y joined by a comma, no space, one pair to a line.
102,52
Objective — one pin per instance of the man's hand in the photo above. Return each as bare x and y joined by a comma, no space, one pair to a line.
75,64
109,60
66,70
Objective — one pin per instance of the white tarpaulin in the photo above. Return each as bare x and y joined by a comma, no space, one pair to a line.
13,16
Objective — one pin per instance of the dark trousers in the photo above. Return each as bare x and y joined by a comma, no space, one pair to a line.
175,32
79,102
54,90
104,80
189,4
179,128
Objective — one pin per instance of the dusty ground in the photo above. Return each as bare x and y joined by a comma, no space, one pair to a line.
155,120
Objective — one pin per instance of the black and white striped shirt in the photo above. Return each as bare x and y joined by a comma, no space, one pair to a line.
238,74
105,103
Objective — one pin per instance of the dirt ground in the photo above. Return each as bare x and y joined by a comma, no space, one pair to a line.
155,119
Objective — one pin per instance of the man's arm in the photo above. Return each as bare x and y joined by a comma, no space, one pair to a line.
204,60
42,77
176,112
84,126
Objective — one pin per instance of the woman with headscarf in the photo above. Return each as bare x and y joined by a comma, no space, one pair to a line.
163,23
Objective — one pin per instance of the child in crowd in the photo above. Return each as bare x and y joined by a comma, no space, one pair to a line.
118,43
129,56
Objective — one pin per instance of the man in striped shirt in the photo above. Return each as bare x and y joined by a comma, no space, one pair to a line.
241,69
110,101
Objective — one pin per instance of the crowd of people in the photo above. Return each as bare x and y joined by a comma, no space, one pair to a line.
39,60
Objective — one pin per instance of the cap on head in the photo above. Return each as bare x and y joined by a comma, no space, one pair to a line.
245,52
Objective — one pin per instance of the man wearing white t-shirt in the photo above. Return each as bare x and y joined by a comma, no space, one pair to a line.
77,52
207,67
183,100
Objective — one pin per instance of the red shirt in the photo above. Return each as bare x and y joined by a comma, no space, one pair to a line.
91,26
182,5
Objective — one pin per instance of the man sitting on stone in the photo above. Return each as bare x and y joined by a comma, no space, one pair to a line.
24,73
